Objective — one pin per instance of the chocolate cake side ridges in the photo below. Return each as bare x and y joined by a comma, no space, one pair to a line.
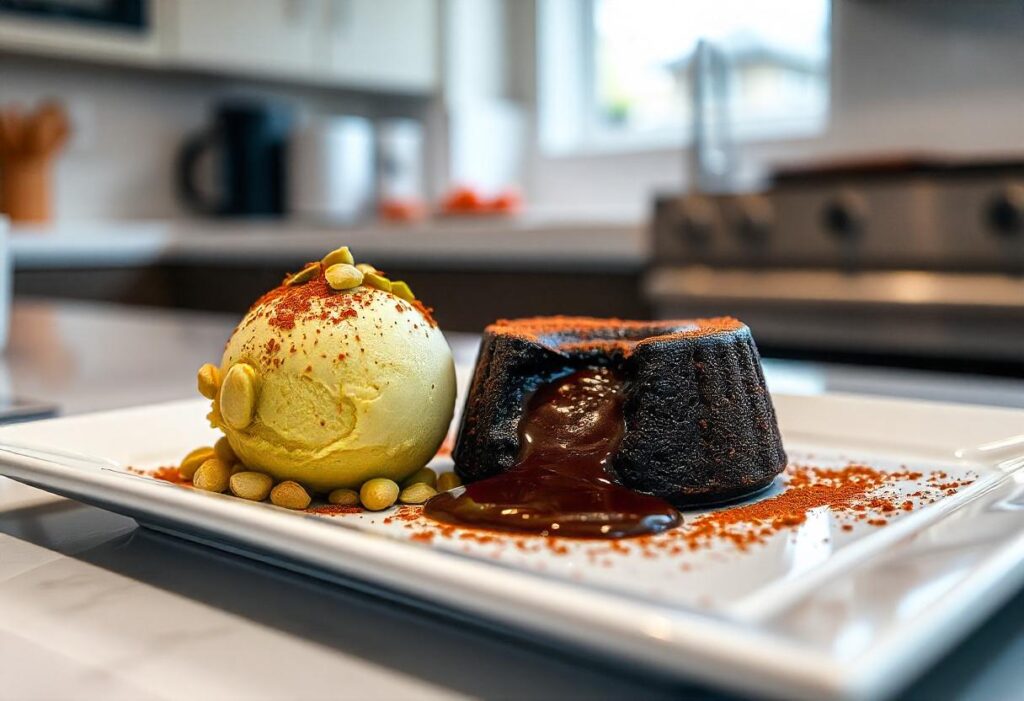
700,426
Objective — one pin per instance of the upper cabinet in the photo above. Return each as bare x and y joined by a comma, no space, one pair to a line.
390,44
264,36
380,45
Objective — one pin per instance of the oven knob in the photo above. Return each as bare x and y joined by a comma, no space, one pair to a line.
696,220
754,219
1006,211
846,216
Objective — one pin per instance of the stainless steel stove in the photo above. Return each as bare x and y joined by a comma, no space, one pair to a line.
910,260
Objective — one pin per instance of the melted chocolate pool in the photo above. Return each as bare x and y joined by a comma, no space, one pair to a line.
561,484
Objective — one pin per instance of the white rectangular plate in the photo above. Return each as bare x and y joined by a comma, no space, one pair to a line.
818,610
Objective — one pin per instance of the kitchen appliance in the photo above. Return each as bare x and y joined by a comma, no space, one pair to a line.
249,140
111,14
400,154
330,169
911,259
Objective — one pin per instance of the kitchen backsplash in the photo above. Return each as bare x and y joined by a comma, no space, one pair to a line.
129,125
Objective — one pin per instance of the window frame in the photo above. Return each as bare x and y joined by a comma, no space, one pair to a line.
567,120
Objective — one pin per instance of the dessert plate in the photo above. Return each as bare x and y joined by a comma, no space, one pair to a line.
840,603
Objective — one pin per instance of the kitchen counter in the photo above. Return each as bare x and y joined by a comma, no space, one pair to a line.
476,270
91,606
490,243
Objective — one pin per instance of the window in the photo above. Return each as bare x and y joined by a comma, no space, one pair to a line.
618,73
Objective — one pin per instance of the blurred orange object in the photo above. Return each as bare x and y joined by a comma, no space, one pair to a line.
462,200
508,202
466,200
28,143
401,210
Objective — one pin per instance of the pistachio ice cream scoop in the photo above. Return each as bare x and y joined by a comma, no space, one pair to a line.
334,378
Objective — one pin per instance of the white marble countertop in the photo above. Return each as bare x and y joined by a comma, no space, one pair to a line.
91,606
493,244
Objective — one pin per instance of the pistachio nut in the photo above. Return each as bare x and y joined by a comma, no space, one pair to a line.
377,280
254,486
343,276
401,290
238,396
224,451
303,276
191,462
417,493
212,476
448,481
424,475
290,495
343,497
208,380
338,255
378,494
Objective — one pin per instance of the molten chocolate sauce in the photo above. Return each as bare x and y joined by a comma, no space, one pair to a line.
561,484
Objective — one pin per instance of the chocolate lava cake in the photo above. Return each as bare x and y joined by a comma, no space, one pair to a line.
699,425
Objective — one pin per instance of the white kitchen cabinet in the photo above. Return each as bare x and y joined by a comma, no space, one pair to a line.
380,45
29,35
383,44
265,36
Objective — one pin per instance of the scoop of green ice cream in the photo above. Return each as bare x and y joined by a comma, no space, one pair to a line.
346,386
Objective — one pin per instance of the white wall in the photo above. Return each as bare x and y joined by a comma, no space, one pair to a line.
908,75
134,123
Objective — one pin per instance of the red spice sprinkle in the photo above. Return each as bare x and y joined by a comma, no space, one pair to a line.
333,509
284,305
167,474
407,513
446,447
853,492
427,312
841,490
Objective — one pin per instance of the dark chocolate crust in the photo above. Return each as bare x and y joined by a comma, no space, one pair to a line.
700,425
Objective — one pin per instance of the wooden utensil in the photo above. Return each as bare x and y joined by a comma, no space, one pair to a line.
28,144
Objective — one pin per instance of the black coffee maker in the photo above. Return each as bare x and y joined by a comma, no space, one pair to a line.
249,139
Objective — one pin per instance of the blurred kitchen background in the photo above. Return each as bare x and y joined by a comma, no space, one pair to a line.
845,176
